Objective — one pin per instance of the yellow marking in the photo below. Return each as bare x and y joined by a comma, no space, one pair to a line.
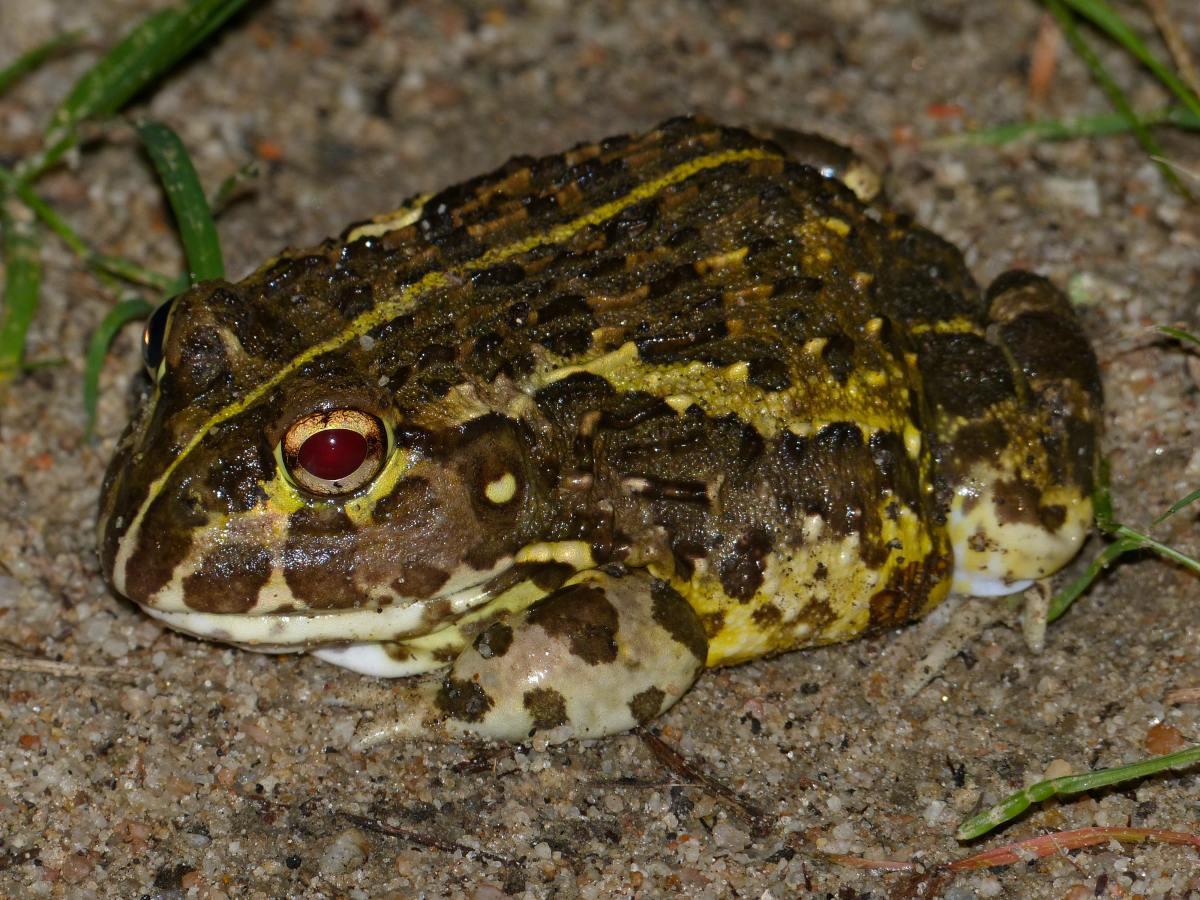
719,261
393,221
282,495
912,440
681,403
873,326
602,365
872,399
956,325
577,554
502,489
840,227
738,372
407,297
814,346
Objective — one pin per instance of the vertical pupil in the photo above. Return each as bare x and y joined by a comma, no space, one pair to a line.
333,453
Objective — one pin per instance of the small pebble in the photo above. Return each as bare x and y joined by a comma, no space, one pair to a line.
346,852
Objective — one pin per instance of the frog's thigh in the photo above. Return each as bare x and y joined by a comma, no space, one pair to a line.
598,656
1023,466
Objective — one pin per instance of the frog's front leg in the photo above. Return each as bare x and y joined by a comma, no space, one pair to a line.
601,654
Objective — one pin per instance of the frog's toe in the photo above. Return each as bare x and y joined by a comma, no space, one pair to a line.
598,656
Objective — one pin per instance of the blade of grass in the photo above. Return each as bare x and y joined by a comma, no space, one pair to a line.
156,44
22,278
1128,540
186,196
1180,335
1104,17
1015,804
1179,504
126,311
31,59
115,266
1056,130
1113,91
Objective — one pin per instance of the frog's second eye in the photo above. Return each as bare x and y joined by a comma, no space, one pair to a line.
154,335
335,452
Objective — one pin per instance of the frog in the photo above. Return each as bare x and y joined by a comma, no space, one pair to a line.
560,437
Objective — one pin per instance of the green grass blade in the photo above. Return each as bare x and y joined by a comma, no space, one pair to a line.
1179,504
126,311
116,266
22,280
31,59
1180,335
1101,125
1113,91
1063,599
1015,804
1104,17
186,196
156,44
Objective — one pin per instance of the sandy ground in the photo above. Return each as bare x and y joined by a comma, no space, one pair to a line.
180,768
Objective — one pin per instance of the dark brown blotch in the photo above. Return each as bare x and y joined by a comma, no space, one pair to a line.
318,559
501,275
494,641
673,614
546,706
712,623
742,569
581,615
1018,500
838,355
646,705
767,615
419,580
228,579
769,374
963,373
463,699
163,542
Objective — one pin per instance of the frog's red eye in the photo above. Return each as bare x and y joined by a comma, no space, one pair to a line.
334,452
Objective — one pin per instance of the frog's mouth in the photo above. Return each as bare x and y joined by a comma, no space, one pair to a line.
507,587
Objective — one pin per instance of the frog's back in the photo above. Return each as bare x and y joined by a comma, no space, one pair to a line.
785,402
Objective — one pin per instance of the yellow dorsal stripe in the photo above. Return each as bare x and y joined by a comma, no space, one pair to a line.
407,297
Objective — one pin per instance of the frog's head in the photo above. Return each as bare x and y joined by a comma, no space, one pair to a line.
276,487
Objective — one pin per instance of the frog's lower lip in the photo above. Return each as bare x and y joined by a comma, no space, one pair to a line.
312,628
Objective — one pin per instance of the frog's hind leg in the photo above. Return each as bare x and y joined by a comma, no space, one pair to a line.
1017,409
601,654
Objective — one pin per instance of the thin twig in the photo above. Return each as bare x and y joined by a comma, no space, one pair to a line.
41,666
424,840
1062,841
1182,695
759,821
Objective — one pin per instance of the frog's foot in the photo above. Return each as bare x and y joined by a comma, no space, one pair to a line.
966,623
969,621
601,654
